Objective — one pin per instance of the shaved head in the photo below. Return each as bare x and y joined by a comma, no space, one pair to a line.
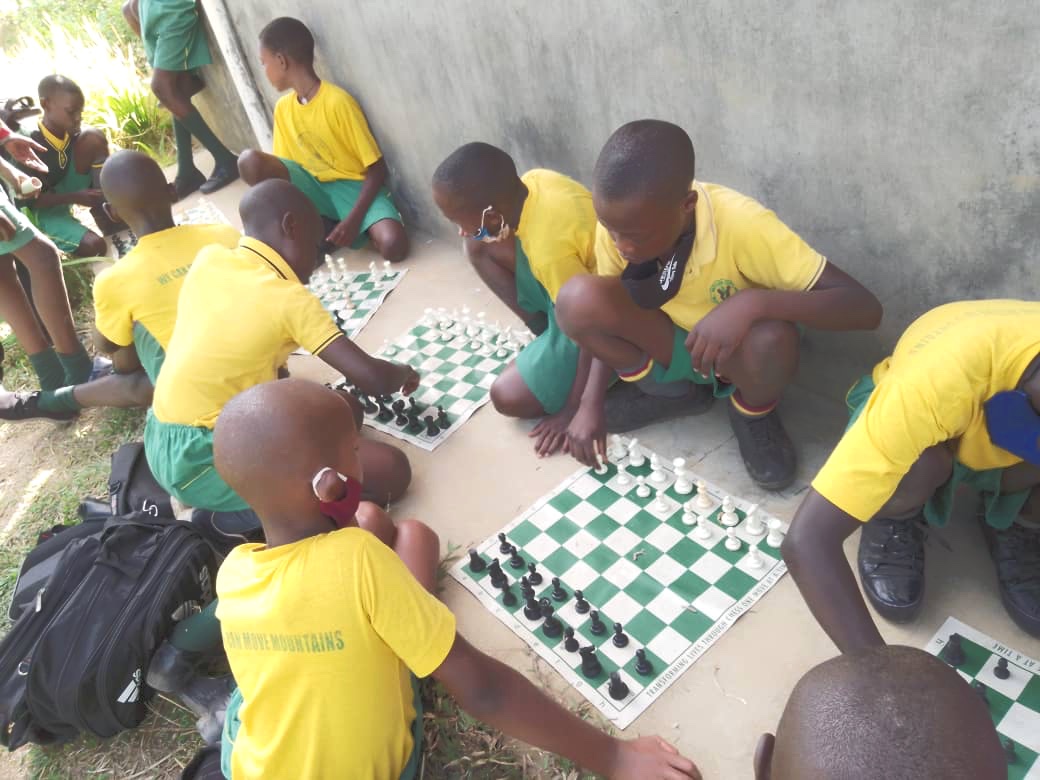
134,185
50,86
477,175
279,214
890,712
645,159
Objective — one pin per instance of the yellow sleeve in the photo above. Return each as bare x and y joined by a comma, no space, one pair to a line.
877,451
307,321
773,256
608,261
554,260
418,628
278,146
112,317
354,128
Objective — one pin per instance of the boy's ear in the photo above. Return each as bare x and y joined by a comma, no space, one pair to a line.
689,203
112,214
764,757
289,225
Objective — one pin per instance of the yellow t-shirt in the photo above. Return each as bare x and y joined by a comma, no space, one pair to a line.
144,285
321,636
328,136
242,312
739,244
557,228
932,389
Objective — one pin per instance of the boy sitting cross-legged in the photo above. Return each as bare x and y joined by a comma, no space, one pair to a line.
327,626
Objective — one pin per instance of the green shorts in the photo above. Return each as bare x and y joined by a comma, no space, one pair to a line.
149,352
57,222
23,228
680,368
336,199
181,458
1000,509
172,33
232,722
548,364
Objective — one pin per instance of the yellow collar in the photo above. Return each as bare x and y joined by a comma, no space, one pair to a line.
273,260
705,242
59,144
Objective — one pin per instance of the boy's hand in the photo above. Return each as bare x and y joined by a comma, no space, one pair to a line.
587,433
720,332
7,228
90,198
402,377
24,151
346,232
651,757
551,433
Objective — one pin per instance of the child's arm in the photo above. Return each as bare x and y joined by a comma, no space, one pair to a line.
813,552
371,375
89,198
551,432
501,696
587,432
346,232
132,16
17,179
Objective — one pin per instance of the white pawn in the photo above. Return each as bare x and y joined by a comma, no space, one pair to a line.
601,467
703,499
661,503
617,448
729,517
372,270
703,528
623,479
754,559
635,454
775,538
752,523
682,486
657,476
387,273
688,517
642,489
732,542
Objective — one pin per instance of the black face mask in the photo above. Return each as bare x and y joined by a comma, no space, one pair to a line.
652,284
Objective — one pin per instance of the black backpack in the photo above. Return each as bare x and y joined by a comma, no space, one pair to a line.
76,657
132,487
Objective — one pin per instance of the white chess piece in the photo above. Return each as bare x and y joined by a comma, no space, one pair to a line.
661,502
642,489
688,517
682,485
703,499
657,476
729,516
775,538
617,448
387,273
635,454
372,270
703,528
623,479
732,542
754,559
601,467
753,523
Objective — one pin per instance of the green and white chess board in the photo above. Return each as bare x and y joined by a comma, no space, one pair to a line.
1014,703
676,588
352,297
201,213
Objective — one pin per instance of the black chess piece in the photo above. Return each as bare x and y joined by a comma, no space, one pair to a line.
414,423
643,665
431,427
597,626
570,644
498,577
398,405
411,403
532,609
1009,750
558,593
617,687
533,576
590,665
385,413
619,640
476,563
503,544
1001,671
508,597
401,420
551,626
526,588
371,407
581,606
980,689
516,561
442,419
953,653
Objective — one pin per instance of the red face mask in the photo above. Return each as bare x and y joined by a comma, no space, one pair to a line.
342,510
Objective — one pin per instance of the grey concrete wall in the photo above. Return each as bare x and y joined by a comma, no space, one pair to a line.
219,103
900,137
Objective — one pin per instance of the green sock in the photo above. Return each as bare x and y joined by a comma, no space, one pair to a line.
185,160
199,632
48,369
60,400
77,366
197,126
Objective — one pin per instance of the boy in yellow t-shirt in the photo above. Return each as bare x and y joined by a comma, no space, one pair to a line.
699,284
323,145
329,624
920,428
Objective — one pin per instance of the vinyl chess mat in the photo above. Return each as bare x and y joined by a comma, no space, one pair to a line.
352,297
201,213
458,358
674,587
1014,702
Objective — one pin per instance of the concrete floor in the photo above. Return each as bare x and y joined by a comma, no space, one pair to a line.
487,473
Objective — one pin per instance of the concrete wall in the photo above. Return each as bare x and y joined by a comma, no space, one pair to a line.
900,137
219,103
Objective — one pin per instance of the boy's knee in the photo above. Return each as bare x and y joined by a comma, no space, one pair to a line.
92,245
162,85
417,532
511,398
141,391
251,166
770,339
390,239
580,302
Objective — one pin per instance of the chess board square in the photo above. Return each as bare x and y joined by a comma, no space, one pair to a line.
642,523
735,583
487,381
666,570
644,626
768,562
692,624
602,498
545,516
458,373
457,407
709,567
729,556
458,358
601,558
473,377
622,607
657,664
487,364
1022,725
713,602
602,527
585,635
644,588
430,349
620,656
523,533
685,552
583,514
444,385
601,591
645,555
539,548
579,576
669,644
581,543
663,537
584,486
562,530
689,586
668,508
623,510
558,561
565,501
1012,687
621,541
666,606
1030,696
717,535
622,572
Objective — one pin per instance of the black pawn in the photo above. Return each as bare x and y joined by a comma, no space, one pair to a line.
401,420
526,589
371,407
515,561
385,413
503,544
476,563
980,689
414,423
619,640
1001,671
532,609
431,427
498,577
558,593
533,576
597,626
581,606
617,688
570,644
442,419
590,665
552,627
1009,750
398,405
643,665
508,597
953,653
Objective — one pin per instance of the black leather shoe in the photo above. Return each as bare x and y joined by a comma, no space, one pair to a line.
1016,552
172,669
628,408
765,448
891,566
185,185
221,177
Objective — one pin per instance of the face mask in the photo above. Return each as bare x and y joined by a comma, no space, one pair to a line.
342,510
651,285
484,236
1014,425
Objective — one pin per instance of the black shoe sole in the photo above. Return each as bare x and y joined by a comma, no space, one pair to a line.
893,614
